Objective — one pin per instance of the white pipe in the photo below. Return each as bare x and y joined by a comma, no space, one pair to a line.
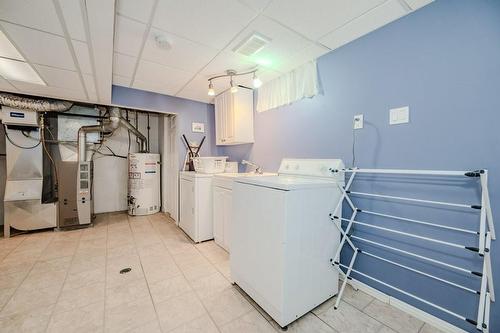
420,272
420,222
347,275
415,255
408,234
412,199
410,172
409,294
339,248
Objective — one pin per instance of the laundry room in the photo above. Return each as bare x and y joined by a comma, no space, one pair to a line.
249,166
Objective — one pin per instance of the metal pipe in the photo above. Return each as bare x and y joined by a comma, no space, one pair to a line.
143,140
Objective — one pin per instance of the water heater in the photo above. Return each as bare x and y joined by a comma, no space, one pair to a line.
143,183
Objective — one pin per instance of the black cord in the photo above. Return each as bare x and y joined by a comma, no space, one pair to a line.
18,146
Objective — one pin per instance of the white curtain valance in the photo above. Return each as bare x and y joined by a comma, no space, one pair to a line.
290,87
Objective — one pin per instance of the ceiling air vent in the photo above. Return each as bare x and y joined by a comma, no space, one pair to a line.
251,45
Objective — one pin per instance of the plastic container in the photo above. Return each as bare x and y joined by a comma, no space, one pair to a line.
231,167
211,164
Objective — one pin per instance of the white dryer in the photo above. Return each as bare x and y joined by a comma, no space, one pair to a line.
282,237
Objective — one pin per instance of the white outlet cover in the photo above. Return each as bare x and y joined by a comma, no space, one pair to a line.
399,115
358,121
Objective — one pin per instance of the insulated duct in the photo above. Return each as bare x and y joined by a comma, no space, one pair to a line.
39,105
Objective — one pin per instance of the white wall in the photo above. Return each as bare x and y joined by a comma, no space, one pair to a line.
111,173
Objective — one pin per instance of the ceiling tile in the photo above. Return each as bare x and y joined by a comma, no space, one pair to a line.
416,4
73,18
82,54
183,54
196,95
39,14
165,79
213,23
138,10
90,85
315,18
18,71
128,36
40,47
364,24
154,87
60,78
257,5
227,60
47,91
123,65
7,49
283,42
121,80
300,57
6,86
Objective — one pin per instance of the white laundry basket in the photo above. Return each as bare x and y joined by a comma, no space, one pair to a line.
210,164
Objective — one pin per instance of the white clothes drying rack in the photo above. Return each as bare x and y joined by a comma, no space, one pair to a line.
485,235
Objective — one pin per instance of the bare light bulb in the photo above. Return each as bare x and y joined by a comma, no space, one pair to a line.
256,81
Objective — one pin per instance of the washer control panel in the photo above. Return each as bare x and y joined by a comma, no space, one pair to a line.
330,168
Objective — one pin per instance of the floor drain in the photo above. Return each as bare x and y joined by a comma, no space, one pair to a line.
125,270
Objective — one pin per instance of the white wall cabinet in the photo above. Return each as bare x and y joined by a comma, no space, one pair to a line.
234,117
222,215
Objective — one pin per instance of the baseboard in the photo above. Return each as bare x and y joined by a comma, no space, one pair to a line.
405,307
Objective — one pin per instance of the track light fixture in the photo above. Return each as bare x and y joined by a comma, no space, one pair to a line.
256,82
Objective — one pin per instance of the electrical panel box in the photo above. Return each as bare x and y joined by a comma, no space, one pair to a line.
19,117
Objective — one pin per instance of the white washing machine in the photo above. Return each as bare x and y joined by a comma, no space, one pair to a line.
196,201
282,237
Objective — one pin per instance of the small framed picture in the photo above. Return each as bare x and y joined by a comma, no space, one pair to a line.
198,127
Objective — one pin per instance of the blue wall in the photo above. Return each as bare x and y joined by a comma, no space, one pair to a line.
444,62
187,112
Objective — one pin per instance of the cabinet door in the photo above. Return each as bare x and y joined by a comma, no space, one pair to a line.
219,127
228,208
224,118
187,207
218,214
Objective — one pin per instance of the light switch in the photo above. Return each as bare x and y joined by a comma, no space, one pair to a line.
358,121
399,115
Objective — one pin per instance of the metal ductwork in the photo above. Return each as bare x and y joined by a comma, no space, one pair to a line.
39,105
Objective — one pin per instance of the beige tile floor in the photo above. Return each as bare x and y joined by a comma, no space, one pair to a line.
71,282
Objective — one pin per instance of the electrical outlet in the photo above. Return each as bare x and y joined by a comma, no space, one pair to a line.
358,121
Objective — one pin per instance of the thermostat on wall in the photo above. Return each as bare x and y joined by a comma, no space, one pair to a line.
198,127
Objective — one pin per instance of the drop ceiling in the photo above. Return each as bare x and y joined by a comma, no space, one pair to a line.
79,48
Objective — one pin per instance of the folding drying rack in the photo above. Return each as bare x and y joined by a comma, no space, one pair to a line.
485,235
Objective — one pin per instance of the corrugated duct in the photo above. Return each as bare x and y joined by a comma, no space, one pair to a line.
39,105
